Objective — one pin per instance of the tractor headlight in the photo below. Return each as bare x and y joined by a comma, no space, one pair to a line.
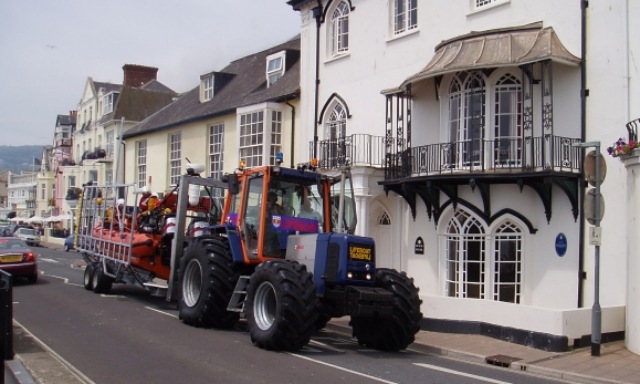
349,275
367,276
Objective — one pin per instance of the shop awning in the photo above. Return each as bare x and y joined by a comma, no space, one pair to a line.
496,48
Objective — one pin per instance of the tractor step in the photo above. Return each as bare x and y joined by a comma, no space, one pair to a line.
236,304
156,289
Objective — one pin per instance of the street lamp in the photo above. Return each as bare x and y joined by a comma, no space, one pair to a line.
595,177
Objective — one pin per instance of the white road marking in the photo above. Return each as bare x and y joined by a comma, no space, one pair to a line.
48,260
344,369
463,374
162,312
64,279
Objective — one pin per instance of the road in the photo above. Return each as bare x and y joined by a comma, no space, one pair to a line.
132,337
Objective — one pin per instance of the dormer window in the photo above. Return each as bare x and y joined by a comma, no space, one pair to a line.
275,67
108,102
206,87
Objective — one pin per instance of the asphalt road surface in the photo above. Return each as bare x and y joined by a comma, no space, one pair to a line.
132,337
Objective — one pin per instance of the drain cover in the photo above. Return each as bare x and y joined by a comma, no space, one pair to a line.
501,360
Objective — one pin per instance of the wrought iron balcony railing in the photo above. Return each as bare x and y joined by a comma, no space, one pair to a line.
359,150
503,155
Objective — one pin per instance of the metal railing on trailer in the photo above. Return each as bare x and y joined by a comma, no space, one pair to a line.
100,208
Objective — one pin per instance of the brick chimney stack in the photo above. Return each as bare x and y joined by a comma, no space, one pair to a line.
138,75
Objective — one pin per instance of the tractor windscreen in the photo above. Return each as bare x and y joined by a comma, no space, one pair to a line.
343,205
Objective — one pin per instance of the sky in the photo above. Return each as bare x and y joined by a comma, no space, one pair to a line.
48,49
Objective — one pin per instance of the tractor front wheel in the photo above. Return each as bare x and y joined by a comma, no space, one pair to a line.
396,332
281,303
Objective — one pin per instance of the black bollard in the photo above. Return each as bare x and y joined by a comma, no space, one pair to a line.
6,319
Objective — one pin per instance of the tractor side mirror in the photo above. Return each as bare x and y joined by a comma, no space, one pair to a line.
234,184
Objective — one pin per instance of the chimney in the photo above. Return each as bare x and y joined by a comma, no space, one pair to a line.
138,75
73,114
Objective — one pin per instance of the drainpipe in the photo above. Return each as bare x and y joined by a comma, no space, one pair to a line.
584,93
293,132
627,48
317,14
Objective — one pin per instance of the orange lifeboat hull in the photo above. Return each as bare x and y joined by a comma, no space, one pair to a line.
138,248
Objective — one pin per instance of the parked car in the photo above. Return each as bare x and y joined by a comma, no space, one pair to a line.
18,259
30,236
5,231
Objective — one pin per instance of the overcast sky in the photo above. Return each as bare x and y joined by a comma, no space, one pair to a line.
48,49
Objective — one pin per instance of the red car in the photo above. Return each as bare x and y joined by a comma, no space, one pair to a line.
18,259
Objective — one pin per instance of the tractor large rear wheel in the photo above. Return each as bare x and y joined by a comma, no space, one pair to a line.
396,332
207,278
281,305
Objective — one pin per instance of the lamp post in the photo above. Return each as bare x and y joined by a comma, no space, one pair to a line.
595,177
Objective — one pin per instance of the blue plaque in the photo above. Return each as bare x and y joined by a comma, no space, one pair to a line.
561,244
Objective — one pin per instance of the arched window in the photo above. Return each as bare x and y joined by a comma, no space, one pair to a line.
339,31
507,122
384,219
507,263
465,257
333,149
466,119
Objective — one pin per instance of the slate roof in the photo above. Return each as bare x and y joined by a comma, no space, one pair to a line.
136,104
108,87
65,120
244,83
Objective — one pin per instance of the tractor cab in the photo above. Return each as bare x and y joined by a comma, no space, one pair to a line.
273,203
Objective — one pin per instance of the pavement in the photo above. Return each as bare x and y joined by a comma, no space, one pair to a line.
616,364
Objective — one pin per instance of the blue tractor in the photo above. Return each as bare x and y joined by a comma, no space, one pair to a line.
281,249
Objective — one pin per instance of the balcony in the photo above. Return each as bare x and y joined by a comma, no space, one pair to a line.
67,142
503,155
360,150
536,162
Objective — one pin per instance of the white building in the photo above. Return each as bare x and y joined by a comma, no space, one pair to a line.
460,119
22,194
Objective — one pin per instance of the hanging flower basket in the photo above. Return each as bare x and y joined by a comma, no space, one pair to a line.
622,147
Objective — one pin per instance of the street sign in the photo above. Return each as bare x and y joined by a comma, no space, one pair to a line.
590,168
590,206
595,236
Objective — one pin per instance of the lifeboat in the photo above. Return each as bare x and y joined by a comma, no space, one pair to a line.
137,248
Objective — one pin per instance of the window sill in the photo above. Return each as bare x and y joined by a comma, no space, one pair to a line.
337,57
402,35
487,7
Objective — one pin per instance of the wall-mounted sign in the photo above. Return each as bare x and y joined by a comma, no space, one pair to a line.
561,244
419,246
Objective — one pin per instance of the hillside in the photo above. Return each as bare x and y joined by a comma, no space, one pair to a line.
19,158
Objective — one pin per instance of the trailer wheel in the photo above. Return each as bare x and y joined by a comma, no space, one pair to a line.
89,270
281,305
101,282
398,331
207,278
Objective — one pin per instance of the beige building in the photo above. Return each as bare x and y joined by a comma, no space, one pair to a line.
4,194
104,112
246,111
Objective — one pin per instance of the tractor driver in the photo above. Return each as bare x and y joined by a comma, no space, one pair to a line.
271,234
273,208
